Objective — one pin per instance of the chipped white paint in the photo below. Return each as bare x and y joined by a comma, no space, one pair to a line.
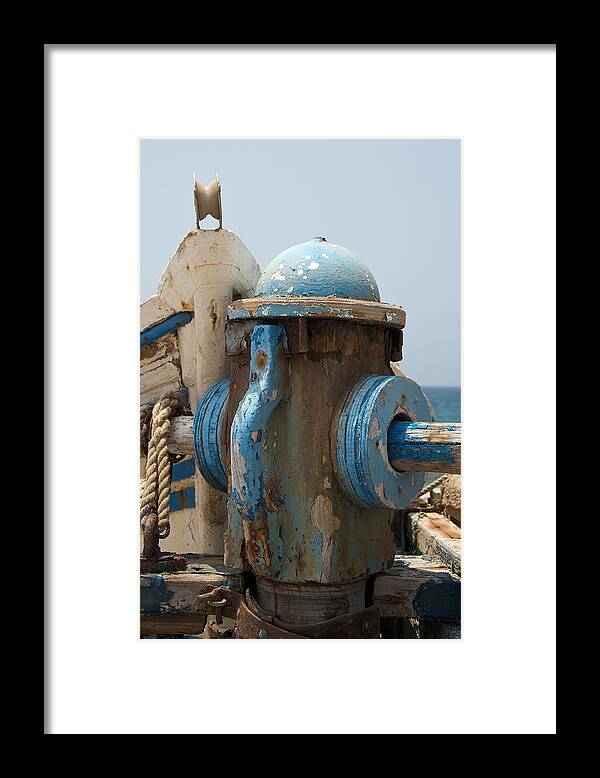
186,338
207,257
152,311
208,270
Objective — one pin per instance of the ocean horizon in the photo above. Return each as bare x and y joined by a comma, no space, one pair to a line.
445,401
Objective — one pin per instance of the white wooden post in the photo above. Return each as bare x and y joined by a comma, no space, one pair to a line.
210,317
208,268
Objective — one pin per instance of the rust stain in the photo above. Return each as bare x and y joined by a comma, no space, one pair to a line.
261,360
213,315
257,542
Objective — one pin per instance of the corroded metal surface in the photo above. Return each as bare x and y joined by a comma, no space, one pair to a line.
306,603
253,622
305,529
162,563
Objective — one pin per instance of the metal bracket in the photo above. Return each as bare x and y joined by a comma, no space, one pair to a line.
253,622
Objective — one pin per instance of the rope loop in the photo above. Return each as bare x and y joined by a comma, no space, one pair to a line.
156,486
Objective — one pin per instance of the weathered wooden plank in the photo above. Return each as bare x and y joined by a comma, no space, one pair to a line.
160,368
318,307
154,310
417,587
450,498
428,447
180,438
158,624
435,535
175,593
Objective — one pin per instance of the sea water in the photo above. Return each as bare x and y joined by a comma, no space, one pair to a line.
445,401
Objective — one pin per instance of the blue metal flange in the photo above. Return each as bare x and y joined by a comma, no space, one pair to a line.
209,421
363,466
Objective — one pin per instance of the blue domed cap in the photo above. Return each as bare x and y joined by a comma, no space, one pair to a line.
318,268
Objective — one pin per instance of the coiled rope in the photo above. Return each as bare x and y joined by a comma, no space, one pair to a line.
145,418
156,487
431,486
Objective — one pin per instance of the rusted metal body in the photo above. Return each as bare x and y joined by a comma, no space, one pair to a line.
310,399
317,443
252,621
308,531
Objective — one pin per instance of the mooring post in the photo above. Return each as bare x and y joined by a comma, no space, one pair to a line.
209,269
321,443
210,315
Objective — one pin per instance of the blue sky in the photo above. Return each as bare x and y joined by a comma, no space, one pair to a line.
395,203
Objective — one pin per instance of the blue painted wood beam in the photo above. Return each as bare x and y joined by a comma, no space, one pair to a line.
184,469
165,327
184,498
424,446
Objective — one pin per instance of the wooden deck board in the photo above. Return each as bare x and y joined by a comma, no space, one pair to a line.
174,594
435,535
418,587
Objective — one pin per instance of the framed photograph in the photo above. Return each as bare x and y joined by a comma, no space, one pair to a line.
279,281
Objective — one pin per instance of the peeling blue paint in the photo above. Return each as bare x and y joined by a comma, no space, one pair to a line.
401,448
318,268
209,419
364,469
184,469
165,327
267,351
153,592
182,499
